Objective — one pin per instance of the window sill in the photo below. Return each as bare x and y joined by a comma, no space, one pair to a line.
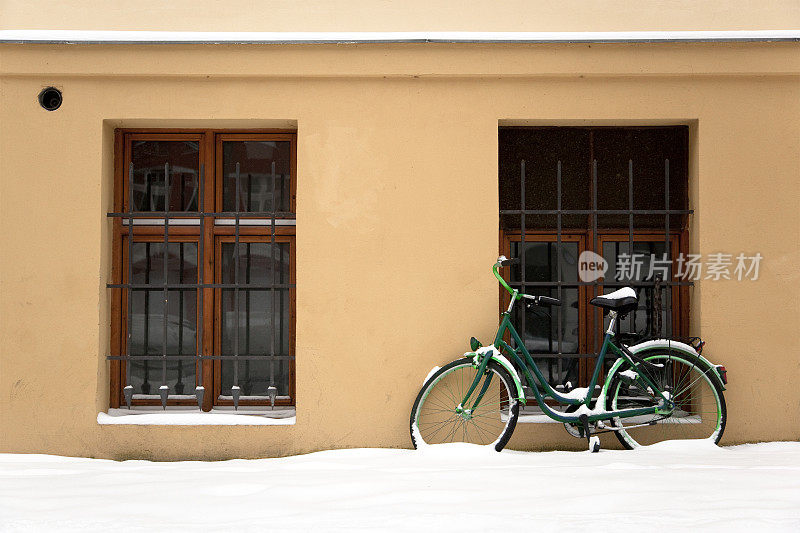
191,416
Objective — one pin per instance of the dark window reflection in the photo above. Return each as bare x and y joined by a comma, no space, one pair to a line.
647,148
646,262
147,319
540,330
150,161
264,175
542,148
263,318
576,148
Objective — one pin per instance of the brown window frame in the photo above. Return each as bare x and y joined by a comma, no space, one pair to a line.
212,235
590,318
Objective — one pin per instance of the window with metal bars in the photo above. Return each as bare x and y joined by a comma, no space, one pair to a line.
618,192
203,268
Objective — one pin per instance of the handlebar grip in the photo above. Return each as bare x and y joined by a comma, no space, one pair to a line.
546,300
509,262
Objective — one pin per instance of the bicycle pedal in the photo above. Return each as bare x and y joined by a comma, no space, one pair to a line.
594,444
583,426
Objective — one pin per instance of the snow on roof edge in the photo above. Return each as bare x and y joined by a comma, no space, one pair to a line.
191,37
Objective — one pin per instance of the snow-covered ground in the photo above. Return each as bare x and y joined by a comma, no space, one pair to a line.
676,486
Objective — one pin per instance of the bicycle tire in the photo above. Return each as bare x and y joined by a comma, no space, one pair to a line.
695,412
488,428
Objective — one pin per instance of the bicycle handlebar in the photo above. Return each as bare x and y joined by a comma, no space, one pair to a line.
503,261
546,300
507,262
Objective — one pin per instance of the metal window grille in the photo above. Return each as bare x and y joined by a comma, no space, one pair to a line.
237,217
656,284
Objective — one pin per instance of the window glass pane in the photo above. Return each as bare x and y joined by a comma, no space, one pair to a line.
264,175
146,378
263,318
147,319
540,331
542,148
647,148
641,267
149,159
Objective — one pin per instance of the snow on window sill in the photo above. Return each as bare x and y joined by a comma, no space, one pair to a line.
192,416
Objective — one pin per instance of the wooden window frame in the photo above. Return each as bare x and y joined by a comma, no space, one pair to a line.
590,317
507,238
145,237
210,162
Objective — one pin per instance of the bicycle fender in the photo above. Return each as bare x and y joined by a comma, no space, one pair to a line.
668,344
502,361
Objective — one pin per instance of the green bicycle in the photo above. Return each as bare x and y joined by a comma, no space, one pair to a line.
656,390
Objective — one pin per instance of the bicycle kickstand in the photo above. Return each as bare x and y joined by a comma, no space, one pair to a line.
592,440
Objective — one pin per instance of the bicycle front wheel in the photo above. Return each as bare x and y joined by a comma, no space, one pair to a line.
438,416
699,413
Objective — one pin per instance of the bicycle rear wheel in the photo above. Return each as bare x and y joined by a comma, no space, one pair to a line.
699,413
436,417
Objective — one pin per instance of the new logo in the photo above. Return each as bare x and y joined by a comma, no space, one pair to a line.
591,266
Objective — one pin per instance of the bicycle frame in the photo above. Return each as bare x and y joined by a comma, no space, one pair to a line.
524,361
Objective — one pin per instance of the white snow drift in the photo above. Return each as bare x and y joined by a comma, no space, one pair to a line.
674,486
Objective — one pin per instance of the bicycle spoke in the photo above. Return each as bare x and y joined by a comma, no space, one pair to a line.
444,425
696,406
437,418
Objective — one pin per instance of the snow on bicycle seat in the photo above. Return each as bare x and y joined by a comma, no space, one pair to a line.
622,301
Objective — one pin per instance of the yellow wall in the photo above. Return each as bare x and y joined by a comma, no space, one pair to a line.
399,15
397,218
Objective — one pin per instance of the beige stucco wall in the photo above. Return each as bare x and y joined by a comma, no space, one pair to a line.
399,15
397,218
